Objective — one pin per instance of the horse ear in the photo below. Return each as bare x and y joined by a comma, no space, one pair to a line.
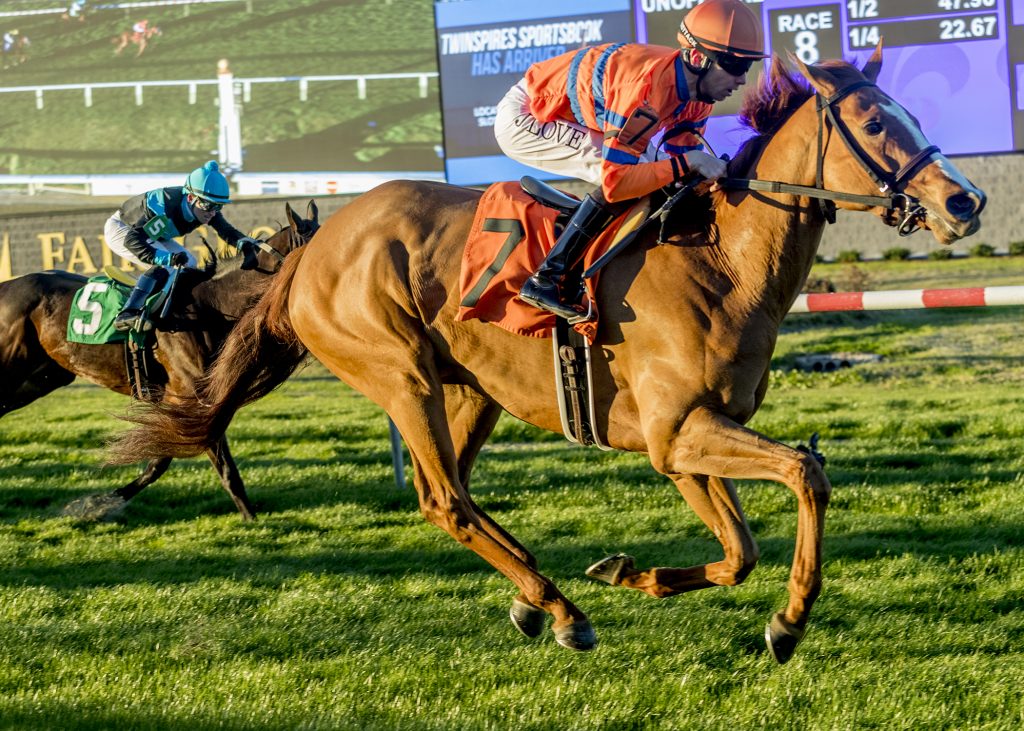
818,77
292,219
874,64
312,212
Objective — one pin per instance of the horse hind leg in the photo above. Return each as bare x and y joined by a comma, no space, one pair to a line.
403,378
471,419
230,478
445,503
716,503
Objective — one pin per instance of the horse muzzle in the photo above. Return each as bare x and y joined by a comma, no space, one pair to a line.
947,231
958,217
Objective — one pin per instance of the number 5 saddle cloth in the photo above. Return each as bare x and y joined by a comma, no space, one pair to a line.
94,307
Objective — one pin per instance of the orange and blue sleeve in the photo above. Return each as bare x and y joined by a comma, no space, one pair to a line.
624,177
682,138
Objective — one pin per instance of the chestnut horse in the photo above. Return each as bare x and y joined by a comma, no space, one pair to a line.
141,40
685,339
36,357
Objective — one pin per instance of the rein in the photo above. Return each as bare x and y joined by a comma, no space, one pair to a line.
905,211
264,246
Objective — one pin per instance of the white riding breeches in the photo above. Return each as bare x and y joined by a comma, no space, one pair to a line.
116,231
558,147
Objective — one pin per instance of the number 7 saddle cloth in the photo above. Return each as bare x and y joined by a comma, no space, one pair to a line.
510,236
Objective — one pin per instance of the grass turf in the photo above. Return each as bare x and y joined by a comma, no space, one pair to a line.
341,608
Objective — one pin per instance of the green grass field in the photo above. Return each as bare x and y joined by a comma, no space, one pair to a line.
341,608
392,129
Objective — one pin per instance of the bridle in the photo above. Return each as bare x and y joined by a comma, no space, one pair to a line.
264,246
903,211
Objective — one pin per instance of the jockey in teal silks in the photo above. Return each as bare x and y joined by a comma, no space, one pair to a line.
143,229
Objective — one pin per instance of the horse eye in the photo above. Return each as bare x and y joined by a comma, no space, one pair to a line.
873,128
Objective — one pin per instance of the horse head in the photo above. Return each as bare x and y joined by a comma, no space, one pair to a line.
870,144
297,232
228,287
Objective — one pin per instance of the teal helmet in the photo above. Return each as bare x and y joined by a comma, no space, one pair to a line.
208,183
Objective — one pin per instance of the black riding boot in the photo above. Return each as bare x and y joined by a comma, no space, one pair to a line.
133,316
544,289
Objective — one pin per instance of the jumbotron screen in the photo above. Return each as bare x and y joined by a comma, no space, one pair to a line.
957,65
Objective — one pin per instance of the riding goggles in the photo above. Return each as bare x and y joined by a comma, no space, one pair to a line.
205,205
733,65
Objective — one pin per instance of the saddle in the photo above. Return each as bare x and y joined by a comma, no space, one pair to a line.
91,322
514,228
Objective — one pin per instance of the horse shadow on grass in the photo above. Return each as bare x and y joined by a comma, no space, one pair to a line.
269,558
40,487
386,505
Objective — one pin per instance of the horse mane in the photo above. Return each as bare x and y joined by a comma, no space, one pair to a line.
211,294
773,99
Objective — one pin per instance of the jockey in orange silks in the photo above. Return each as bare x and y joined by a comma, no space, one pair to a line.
623,116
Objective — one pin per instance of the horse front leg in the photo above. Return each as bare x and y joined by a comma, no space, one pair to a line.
152,472
108,505
471,419
710,443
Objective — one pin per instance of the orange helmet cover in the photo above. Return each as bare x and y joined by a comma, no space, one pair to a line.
723,26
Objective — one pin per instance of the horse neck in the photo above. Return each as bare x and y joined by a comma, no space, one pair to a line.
228,295
232,292
769,242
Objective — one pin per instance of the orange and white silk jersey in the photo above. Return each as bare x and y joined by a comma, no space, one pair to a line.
628,92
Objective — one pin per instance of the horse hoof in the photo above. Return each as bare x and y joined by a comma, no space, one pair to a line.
577,636
782,638
527,618
95,507
611,569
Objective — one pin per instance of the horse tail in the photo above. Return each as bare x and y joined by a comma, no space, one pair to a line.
260,353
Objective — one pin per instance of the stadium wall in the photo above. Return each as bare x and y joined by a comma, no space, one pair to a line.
73,240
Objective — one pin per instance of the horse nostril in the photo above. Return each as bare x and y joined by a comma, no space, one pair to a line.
961,206
982,200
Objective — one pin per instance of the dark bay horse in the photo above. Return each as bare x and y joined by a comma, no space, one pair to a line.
36,358
683,352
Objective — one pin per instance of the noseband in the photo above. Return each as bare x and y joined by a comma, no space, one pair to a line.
903,211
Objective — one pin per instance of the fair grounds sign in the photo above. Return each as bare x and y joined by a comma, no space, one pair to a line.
45,246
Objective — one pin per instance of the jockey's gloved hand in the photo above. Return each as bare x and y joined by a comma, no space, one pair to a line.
167,258
249,248
705,165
